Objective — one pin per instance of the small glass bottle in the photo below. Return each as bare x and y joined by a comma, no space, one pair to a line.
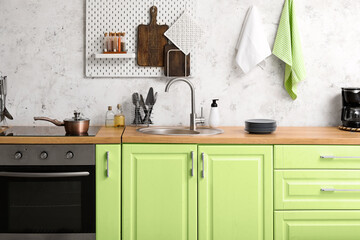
119,42
115,43
123,43
110,42
106,39
119,117
109,118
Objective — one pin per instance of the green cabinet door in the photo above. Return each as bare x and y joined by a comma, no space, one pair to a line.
159,192
235,192
317,225
108,192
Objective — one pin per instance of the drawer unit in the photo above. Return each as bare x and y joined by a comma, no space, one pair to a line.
317,225
317,189
317,157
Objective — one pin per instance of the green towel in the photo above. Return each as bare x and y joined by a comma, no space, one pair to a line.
287,47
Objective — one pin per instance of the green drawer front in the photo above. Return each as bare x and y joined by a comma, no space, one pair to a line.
317,225
317,189
317,156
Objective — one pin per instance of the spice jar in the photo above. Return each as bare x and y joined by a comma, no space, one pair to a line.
123,43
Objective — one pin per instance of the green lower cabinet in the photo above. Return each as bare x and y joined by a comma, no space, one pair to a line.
235,192
317,225
159,192
108,192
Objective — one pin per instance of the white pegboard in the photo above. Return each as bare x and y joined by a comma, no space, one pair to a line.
125,16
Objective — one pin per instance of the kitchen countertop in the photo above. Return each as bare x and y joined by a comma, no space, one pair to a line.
237,135
231,135
104,136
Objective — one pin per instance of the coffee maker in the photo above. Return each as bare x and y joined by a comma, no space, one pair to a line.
350,116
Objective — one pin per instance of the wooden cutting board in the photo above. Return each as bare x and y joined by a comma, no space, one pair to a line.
151,42
175,65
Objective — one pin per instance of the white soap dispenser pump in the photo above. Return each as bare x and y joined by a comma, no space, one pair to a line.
214,119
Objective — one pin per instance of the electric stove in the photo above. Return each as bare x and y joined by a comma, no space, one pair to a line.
20,131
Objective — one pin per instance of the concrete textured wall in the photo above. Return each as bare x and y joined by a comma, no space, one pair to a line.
42,53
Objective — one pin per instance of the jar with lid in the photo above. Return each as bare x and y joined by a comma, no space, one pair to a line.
106,42
119,117
109,117
123,43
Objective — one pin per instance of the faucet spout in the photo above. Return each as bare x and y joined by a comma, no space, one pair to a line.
193,118
192,89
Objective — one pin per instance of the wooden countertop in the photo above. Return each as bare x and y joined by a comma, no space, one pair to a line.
104,136
231,135
237,135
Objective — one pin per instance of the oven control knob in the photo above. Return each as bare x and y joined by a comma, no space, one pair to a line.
69,155
44,155
18,155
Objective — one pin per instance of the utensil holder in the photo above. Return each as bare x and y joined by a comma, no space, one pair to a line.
137,117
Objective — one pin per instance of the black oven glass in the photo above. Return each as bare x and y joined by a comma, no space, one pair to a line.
47,205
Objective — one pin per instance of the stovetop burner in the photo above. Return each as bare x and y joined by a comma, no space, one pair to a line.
44,132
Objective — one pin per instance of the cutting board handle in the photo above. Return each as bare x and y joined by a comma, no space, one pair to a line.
153,13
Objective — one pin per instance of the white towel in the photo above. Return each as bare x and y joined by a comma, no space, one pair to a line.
252,47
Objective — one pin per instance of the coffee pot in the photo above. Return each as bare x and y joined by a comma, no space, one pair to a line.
351,107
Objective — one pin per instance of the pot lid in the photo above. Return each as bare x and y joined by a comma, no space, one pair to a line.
77,118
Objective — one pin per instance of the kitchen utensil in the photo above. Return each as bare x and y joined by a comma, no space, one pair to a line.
73,126
351,107
260,126
7,114
3,93
136,102
151,42
176,63
150,103
155,97
135,99
142,104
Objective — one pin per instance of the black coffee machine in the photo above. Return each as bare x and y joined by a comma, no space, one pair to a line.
351,107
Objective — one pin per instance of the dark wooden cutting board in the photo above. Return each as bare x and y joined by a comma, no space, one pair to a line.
174,60
151,42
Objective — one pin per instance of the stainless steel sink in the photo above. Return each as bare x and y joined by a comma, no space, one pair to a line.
200,131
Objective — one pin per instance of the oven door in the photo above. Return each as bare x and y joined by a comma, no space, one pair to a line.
52,202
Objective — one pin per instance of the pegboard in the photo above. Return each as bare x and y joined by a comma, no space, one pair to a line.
125,16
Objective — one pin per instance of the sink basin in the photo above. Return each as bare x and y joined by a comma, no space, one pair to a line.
201,131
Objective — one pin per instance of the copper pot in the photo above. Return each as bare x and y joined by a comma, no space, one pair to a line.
75,126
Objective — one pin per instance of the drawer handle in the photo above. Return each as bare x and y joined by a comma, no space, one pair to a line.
339,190
334,157
203,165
107,164
192,164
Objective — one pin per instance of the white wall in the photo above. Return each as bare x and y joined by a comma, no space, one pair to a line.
42,53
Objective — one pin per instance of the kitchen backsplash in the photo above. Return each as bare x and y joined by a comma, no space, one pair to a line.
42,53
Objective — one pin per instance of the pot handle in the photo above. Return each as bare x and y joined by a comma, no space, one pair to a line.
54,121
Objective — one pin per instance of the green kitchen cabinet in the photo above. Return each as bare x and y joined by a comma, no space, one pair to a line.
317,225
235,192
159,192
108,192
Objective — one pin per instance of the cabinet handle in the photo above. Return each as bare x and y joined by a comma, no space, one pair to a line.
339,190
192,164
203,165
107,164
334,157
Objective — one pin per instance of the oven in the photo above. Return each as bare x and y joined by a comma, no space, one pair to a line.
47,192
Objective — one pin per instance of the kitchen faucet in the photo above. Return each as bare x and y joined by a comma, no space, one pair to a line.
194,120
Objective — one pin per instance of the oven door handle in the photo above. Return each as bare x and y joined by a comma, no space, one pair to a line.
44,175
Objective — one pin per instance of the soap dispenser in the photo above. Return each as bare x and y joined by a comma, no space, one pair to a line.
214,119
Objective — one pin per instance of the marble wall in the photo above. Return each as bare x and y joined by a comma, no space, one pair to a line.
42,53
